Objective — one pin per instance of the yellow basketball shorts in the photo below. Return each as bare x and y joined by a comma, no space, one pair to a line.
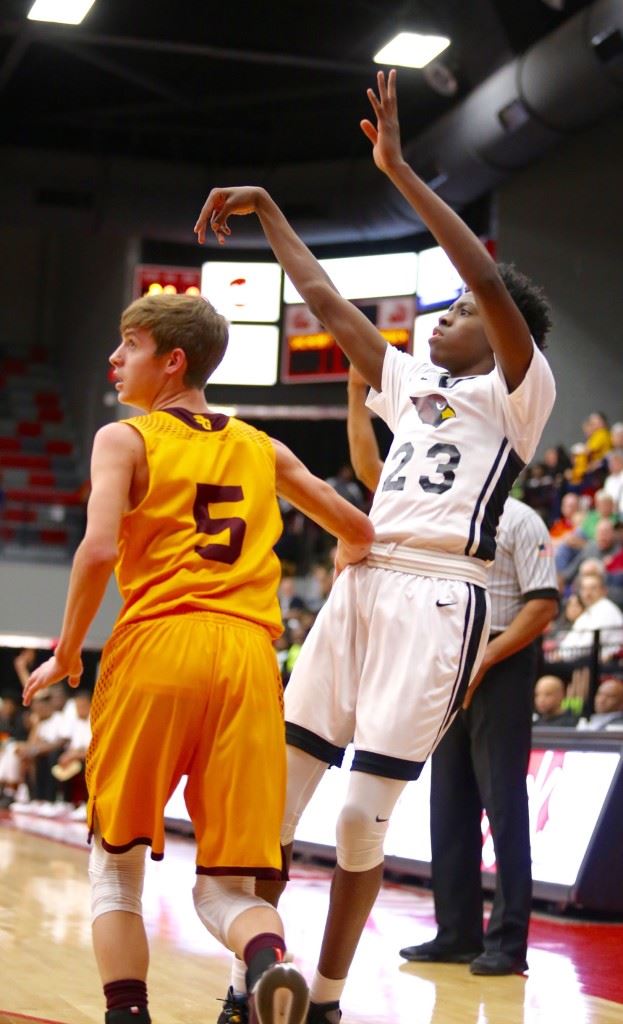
197,695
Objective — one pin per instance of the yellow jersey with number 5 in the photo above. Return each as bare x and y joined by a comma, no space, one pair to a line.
202,538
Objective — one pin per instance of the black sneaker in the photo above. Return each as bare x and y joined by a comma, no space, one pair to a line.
235,1009
434,953
324,1013
498,963
281,995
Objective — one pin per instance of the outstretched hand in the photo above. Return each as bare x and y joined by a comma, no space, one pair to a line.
385,136
50,672
220,205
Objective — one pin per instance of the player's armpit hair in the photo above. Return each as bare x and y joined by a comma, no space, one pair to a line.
530,300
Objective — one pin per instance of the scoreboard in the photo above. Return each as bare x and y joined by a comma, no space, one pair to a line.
274,336
157,280
310,353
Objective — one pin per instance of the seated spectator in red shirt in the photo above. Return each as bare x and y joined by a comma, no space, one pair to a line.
569,519
549,696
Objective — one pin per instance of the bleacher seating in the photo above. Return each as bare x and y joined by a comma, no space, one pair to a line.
42,511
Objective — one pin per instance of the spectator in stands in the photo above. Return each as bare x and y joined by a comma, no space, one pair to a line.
549,696
569,520
613,567
320,586
539,490
69,768
13,731
346,486
24,663
297,634
574,606
589,468
608,706
598,444
289,598
41,750
616,435
613,484
599,613
603,508
556,459
290,548
604,547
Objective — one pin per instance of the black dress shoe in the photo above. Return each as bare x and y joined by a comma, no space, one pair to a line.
434,953
497,963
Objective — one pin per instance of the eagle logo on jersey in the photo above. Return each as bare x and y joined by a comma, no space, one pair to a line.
433,409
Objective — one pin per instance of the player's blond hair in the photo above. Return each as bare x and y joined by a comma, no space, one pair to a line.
188,322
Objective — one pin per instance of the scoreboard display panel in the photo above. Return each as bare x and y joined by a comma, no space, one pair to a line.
150,279
309,353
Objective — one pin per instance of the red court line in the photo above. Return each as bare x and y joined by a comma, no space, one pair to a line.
26,1016
595,949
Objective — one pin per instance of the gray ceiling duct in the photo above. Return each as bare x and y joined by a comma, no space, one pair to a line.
563,84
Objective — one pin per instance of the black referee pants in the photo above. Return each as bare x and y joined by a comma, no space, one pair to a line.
482,762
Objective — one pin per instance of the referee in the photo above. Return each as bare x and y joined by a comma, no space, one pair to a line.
483,758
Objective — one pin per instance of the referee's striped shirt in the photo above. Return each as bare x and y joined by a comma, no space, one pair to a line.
524,564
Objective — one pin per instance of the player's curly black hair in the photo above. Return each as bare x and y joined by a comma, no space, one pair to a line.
530,300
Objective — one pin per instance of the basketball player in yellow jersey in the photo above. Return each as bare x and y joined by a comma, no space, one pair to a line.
183,506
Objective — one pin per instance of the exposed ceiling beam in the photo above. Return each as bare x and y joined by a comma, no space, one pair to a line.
15,53
123,111
48,33
112,67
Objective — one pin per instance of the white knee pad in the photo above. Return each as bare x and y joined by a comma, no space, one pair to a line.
304,774
364,819
220,900
116,879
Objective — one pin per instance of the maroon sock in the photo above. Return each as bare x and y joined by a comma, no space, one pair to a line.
126,994
263,950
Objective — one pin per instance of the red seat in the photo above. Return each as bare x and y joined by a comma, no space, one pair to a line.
9,444
42,496
28,429
24,460
50,414
12,364
53,536
41,479
58,447
19,515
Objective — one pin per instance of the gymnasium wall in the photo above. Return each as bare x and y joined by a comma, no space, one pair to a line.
32,600
560,221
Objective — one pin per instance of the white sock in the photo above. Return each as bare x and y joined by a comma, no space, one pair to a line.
238,980
326,990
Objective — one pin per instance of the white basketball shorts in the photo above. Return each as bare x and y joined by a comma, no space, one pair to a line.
386,664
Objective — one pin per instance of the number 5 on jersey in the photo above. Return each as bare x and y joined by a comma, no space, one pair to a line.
214,494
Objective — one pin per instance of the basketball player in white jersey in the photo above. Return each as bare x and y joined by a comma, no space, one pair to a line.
391,654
